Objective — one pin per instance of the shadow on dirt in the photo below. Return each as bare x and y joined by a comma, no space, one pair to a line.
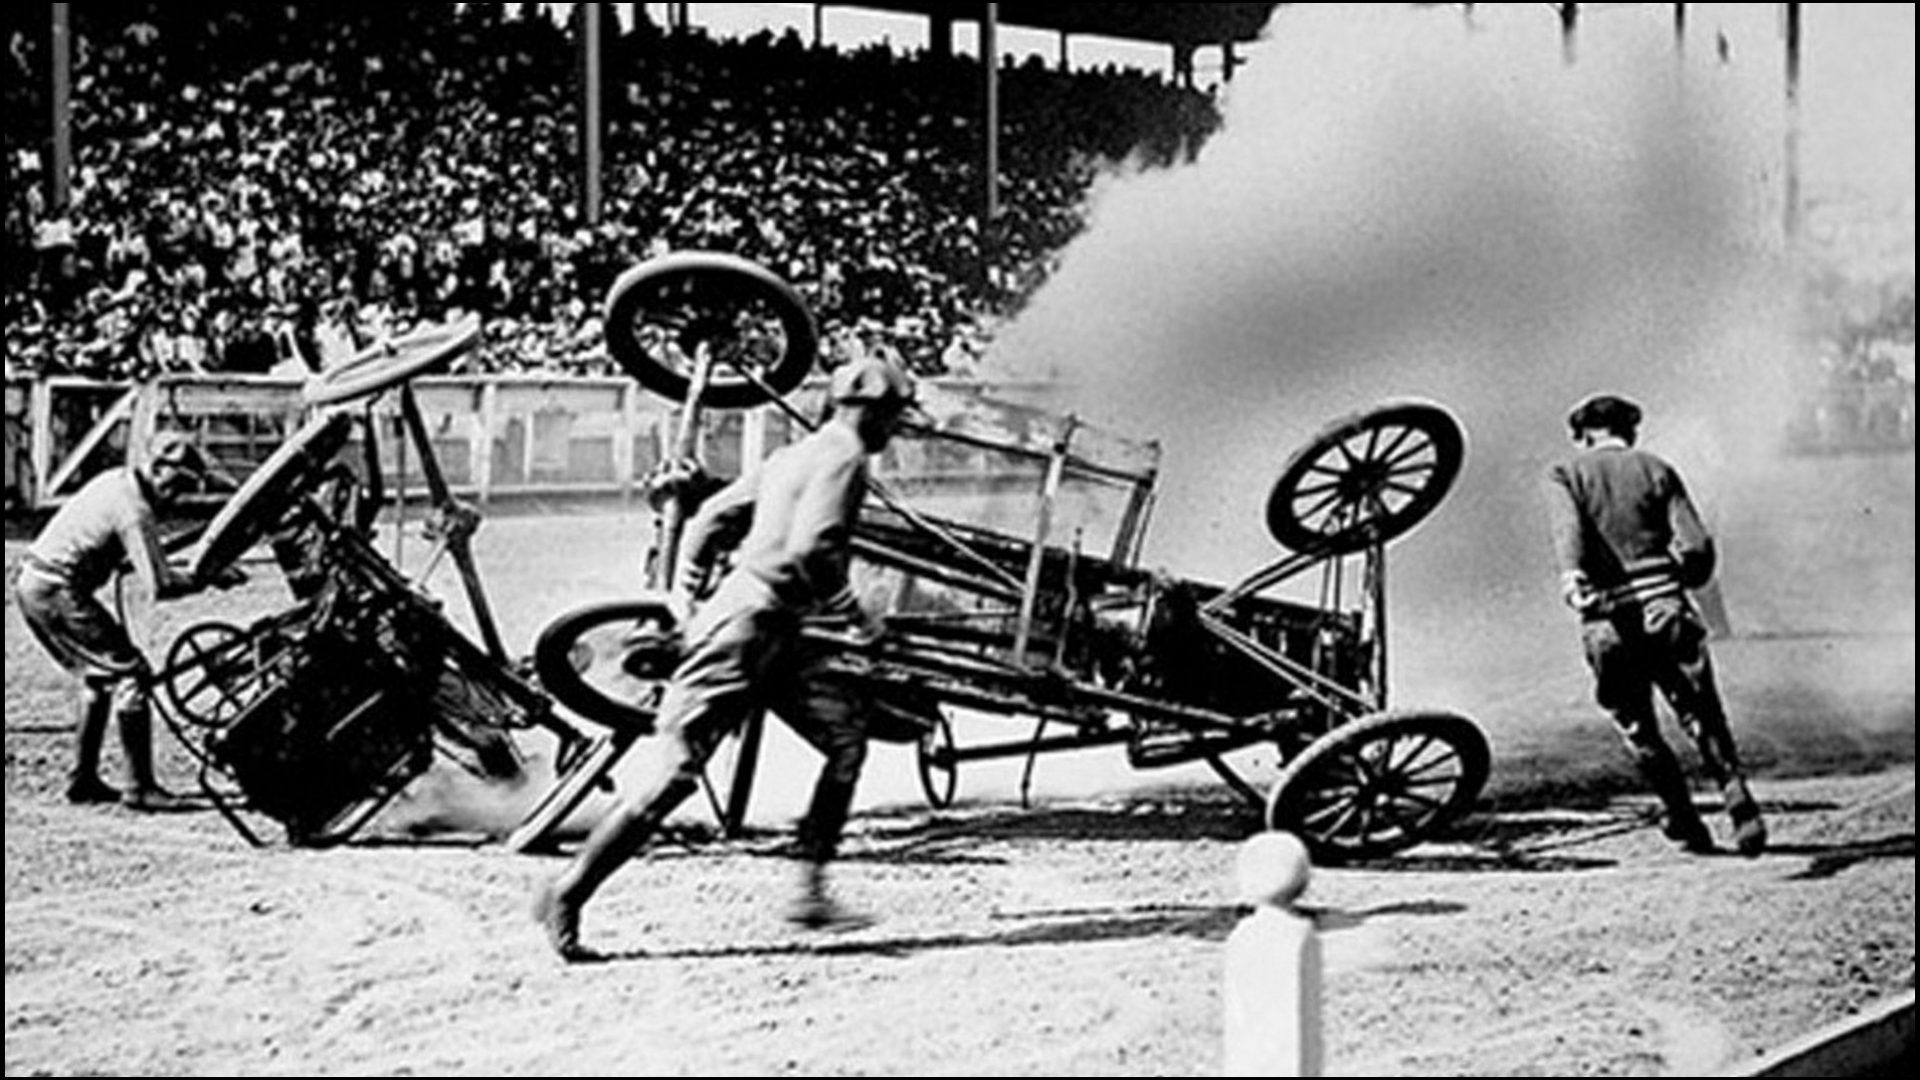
1047,927
1829,860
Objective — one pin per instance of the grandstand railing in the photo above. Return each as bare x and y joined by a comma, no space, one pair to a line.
497,437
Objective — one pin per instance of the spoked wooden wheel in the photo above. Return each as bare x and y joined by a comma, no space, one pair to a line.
1381,784
610,662
933,756
662,313
1366,479
422,351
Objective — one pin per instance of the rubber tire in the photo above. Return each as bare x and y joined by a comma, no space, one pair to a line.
553,663
727,278
1303,786
1441,430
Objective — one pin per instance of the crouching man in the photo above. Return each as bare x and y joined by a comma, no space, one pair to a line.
107,526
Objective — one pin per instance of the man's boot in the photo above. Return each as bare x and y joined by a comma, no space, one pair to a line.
85,785
144,792
1749,830
1683,825
815,907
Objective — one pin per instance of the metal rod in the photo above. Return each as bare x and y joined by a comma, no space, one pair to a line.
1310,682
1265,578
457,540
1036,561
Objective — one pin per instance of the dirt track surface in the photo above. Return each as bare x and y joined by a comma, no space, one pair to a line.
1556,934
1065,940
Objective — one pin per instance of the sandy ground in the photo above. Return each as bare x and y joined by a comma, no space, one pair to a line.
1556,934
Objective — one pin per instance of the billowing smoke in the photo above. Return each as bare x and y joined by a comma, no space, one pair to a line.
1417,203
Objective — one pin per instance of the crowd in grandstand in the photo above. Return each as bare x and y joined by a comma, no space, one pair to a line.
255,186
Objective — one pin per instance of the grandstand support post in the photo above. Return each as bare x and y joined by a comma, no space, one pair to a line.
1791,210
990,62
61,66
1066,53
1680,27
819,24
940,35
592,119
1569,32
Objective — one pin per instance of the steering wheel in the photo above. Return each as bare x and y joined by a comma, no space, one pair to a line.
286,477
420,351
661,313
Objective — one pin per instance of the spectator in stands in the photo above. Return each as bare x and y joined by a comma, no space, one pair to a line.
364,143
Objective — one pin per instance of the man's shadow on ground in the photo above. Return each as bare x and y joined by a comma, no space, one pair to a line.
1066,926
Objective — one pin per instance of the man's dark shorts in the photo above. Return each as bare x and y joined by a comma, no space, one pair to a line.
76,630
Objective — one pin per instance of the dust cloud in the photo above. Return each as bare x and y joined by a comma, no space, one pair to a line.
1421,203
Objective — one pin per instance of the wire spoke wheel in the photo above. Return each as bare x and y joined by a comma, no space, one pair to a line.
663,313
1366,479
211,674
1381,784
610,662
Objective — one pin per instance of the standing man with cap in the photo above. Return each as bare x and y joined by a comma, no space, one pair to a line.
107,526
1630,544
796,513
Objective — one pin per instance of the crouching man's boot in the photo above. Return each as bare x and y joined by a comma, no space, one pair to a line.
1749,830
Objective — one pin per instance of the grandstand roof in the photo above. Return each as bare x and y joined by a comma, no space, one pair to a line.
1173,24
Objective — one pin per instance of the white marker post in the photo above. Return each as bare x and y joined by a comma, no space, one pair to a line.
1273,966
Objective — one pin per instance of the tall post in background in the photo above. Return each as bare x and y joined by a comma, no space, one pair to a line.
1790,215
593,121
990,164
990,64
1680,26
1569,32
61,55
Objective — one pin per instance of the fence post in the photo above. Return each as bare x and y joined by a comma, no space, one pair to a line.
40,436
1273,968
625,439
482,449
